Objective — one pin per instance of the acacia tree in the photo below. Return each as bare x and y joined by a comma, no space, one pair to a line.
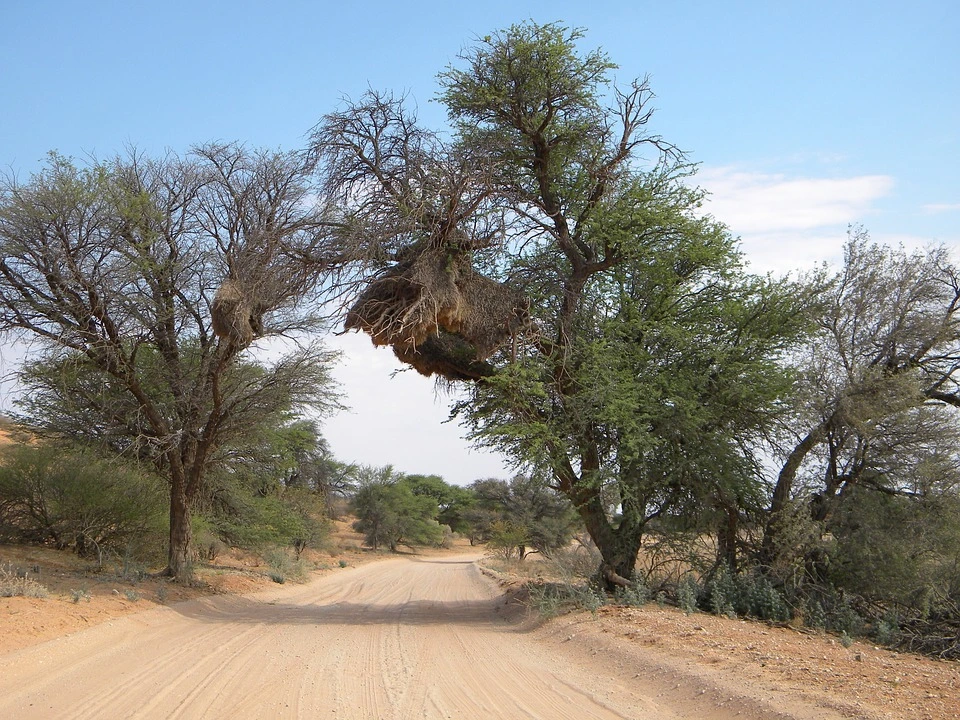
614,339
878,389
147,280
523,515
390,513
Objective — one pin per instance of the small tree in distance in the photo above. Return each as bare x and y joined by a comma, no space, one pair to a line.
390,514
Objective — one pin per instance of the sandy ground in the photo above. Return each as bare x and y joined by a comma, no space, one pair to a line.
433,637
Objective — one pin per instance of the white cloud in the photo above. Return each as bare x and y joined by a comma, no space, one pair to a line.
789,223
756,202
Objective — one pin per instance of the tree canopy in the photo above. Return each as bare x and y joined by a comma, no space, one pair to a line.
145,282
553,252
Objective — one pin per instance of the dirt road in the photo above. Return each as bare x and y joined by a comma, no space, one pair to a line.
397,639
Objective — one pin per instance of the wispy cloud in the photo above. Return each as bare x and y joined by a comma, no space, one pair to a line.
787,223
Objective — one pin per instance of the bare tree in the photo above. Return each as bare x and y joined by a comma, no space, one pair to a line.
153,277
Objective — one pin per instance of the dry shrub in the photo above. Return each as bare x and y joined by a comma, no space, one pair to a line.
17,583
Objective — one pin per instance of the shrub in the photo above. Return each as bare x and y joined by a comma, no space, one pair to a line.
897,550
549,599
637,595
688,593
14,583
285,567
76,499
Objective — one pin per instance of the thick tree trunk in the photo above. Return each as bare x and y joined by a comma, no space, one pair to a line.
619,560
181,534
618,546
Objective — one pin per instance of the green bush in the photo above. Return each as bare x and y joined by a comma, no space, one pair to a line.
688,594
550,599
284,566
245,518
78,500
636,595
898,550
746,595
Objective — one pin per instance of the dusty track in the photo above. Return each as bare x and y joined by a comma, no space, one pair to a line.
403,638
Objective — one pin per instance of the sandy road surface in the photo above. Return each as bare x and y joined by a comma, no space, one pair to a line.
403,638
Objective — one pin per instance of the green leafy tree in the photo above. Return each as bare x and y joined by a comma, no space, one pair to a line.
390,514
147,281
554,254
452,501
653,373
521,516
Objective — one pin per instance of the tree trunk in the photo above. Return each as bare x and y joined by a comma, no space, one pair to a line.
618,546
727,538
619,560
784,487
181,534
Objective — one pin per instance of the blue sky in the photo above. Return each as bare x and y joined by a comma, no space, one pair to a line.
805,117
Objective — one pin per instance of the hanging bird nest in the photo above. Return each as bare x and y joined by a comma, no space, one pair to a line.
234,314
440,315
408,303
446,355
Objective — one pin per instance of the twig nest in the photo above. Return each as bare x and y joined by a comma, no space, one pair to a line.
439,315
234,314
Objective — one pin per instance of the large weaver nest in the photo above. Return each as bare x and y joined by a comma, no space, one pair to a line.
439,315
235,316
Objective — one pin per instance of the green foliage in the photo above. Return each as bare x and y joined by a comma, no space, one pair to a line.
636,595
551,599
888,629
894,549
79,500
688,593
521,516
845,619
814,615
121,261
662,367
390,514
507,538
285,565
249,519
746,595
453,502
